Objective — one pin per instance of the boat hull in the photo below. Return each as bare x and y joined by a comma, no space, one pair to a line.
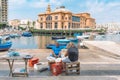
50,46
63,41
27,34
5,46
58,37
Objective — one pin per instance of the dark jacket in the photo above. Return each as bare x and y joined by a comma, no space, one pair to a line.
73,54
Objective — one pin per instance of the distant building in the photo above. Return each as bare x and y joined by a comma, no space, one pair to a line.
61,18
14,23
3,11
109,26
26,23
21,23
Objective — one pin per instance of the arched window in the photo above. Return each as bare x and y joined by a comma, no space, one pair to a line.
49,18
49,22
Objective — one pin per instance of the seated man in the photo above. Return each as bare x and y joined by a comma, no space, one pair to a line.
71,54
56,51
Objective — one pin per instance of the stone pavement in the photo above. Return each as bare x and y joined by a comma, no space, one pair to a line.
63,78
108,48
94,66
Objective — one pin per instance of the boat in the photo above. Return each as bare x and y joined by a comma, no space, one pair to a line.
50,46
77,34
73,39
58,37
27,34
83,37
14,35
63,41
5,45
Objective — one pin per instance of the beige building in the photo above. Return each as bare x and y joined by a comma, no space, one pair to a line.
14,23
61,18
3,11
25,23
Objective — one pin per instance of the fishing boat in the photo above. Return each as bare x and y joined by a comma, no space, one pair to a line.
83,37
27,34
14,35
50,46
5,45
73,39
63,41
77,34
58,37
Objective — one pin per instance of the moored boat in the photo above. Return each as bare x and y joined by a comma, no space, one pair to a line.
83,37
27,34
50,46
73,39
63,41
5,45
58,37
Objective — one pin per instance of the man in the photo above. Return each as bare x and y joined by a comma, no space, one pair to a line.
56,50
71,54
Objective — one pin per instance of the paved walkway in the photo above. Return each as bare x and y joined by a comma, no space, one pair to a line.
94,66
64,78
107,48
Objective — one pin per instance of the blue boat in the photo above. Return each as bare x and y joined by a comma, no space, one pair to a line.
50,46
27,34
77,34
5,45
73,39
63,41
58,37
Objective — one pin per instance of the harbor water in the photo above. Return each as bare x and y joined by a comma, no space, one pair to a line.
39,41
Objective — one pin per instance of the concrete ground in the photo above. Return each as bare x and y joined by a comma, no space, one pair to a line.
94,66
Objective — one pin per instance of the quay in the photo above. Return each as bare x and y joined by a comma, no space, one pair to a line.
106,48
94,66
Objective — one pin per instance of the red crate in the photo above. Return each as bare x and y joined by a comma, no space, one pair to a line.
56,68
33,61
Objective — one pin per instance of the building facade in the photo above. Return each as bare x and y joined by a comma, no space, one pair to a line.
109,26
61,18
14,23
3,11
25,23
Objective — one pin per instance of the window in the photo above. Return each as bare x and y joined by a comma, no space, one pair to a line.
41,18
68,25
62,25
56,17
69,18
56,25
49,18
75,18
63,17
41,25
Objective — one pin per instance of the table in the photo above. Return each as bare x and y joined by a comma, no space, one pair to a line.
11,60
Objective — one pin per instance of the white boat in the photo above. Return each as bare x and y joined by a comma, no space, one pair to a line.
83,37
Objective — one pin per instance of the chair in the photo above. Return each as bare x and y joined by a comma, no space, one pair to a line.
72,67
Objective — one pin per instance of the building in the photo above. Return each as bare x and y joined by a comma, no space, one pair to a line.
109,26
3,11
14,23
62,18
26,23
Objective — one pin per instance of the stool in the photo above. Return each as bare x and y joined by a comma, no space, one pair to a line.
33,61
72,66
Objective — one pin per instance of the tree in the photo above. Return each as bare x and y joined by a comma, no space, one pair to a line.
33,24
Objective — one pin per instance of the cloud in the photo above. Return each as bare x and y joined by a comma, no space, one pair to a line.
104,12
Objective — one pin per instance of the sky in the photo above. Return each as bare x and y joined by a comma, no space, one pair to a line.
104,11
